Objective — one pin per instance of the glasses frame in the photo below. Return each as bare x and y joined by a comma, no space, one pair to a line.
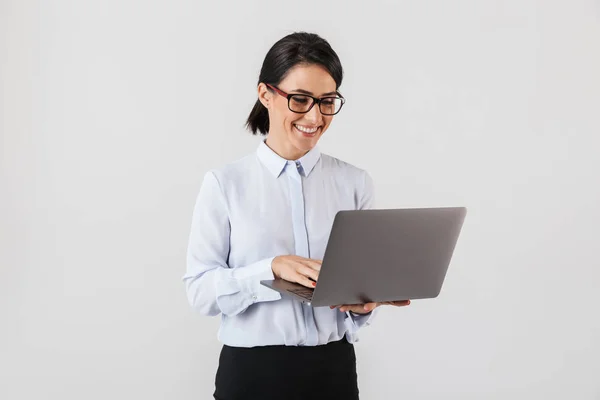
316,100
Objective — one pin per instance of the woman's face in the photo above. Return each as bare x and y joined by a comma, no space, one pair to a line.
292,135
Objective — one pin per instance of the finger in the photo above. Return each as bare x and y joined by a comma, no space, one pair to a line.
352,307
311,260
360,308
308,272
401,303
313,264
355,308
304,281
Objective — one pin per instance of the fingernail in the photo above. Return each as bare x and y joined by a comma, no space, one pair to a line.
314,283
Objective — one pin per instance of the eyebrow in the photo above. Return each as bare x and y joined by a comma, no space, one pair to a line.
310,93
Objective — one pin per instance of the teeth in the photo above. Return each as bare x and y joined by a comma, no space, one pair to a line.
306,130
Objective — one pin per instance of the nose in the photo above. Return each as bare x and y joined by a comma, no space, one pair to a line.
314,115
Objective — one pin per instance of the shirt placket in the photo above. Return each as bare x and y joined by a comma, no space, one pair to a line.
301,238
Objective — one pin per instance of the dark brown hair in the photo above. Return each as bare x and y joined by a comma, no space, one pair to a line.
296,48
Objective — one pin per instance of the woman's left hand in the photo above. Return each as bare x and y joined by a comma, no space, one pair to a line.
368,307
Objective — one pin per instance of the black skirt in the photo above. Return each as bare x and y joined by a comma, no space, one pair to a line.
287,372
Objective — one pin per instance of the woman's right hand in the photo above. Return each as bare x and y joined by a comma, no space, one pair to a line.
297,269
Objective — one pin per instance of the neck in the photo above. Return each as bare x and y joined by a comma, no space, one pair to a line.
284,150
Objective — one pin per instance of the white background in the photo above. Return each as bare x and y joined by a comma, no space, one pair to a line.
112,111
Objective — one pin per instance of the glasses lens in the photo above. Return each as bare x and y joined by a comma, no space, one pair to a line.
330,105
300,103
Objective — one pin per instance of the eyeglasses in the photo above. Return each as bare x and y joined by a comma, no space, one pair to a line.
303,103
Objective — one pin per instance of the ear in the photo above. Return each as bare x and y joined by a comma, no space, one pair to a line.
264,95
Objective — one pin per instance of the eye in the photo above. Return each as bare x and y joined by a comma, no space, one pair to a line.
300,99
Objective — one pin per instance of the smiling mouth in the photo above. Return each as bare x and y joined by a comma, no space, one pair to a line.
307,131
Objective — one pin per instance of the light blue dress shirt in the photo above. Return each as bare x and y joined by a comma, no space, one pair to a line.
247,213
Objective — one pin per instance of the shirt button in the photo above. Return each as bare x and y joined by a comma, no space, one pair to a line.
254,298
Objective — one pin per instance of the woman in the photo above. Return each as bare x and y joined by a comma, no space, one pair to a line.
269,215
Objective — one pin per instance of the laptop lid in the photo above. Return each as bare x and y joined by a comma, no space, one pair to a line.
387,255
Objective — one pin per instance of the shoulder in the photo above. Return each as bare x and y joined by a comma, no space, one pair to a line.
354,178
336,166
229,181
235,171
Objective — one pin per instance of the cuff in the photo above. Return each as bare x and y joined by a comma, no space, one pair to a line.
238,288
360,320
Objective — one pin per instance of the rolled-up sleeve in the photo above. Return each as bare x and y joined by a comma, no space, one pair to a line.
212,286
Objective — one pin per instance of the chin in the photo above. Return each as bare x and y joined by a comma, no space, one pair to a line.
304,143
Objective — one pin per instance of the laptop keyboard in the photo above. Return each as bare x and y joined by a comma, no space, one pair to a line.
304,293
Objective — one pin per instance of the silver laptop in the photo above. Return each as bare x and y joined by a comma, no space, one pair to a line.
382,255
